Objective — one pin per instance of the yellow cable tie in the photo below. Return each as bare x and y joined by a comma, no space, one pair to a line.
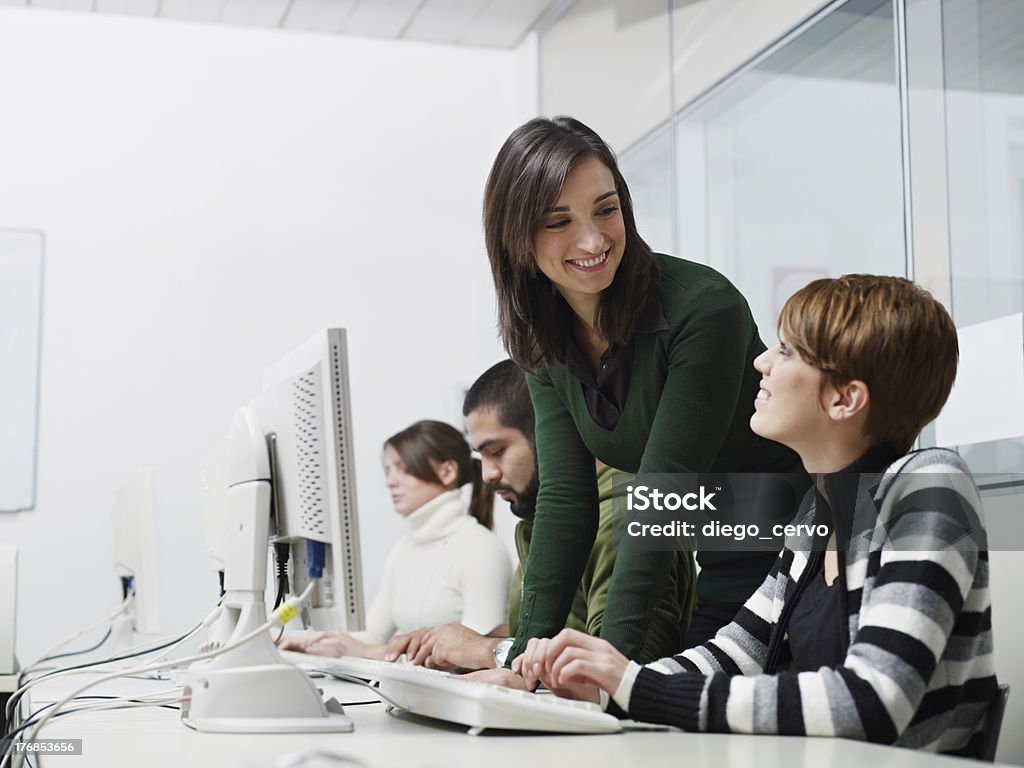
286,613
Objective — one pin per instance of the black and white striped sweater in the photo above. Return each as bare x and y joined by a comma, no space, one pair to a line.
919,669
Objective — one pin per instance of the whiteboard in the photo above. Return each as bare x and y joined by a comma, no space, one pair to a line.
21,301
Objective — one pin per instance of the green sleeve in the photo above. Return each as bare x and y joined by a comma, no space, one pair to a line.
708,357
565,522
670,619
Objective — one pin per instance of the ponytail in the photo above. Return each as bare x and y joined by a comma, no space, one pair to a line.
481,503
434,441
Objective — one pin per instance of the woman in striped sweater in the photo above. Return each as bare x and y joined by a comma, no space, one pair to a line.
881,630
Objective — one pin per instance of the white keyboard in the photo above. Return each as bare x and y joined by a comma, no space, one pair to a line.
353,666
444,696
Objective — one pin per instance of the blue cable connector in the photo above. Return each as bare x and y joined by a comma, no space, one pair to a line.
316,553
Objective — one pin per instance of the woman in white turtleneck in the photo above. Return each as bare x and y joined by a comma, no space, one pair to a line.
450,567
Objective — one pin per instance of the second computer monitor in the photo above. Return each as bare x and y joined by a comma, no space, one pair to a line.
135,548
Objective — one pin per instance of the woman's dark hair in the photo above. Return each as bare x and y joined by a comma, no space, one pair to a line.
524,184
434,441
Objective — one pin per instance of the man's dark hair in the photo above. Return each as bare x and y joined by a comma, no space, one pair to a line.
503,388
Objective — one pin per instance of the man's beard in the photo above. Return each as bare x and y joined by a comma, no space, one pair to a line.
525,504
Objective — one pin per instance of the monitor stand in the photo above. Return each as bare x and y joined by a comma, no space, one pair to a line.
252,689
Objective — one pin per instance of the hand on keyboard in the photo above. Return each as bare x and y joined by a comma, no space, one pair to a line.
460,699
318,643
504,677
452,646
330,644
408,644
435,693
572,664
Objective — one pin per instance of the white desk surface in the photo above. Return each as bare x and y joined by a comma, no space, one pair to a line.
155,738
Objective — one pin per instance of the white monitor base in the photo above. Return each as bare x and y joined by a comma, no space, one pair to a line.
251,689
273,698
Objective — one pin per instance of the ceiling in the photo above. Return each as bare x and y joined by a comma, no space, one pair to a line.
488,23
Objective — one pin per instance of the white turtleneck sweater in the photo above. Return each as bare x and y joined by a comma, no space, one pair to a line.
447,568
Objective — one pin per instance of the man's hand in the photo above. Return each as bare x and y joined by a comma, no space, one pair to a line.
503,677
454,646
449,646
409,643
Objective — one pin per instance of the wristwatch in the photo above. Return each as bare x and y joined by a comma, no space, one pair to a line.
500,652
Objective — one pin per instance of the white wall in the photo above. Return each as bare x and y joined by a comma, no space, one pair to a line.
211,197
713,38
623,66
606,62
1008,629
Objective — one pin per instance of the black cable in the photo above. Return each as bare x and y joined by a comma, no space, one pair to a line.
103,661
282,552
358,681
34,717
15,699
101,641
127,586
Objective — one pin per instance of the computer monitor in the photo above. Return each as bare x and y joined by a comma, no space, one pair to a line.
283,474
8,613
214,482
306,414
135,556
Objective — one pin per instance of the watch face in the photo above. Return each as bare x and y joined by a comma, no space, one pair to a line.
501,652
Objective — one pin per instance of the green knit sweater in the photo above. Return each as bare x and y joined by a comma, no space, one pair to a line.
691,395
671,619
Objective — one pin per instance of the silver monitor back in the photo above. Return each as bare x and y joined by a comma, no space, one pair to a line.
306,414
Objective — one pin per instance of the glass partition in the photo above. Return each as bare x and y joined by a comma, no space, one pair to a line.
811,138
648,172
790,170
982,41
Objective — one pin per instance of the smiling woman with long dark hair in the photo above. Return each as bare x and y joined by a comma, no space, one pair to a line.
638,359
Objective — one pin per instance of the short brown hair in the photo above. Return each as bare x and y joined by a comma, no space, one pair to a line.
434,441
524,183
885,331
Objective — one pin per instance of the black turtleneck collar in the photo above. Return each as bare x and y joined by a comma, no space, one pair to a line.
874,460
845,487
